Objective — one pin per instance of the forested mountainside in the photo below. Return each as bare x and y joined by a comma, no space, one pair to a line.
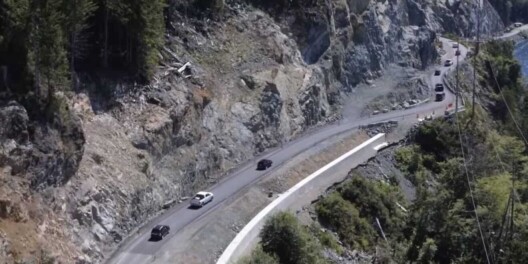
454,192
511,11
112,110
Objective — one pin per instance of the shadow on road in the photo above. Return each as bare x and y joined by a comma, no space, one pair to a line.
191,207
154,239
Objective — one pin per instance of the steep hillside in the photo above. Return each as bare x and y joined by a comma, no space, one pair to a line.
84,167
511,11
454,191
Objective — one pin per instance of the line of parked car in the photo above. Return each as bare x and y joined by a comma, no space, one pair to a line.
513,26
439,87
198,201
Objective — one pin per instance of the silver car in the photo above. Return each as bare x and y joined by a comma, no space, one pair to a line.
201,199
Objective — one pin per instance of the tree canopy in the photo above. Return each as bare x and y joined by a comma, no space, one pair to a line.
41,41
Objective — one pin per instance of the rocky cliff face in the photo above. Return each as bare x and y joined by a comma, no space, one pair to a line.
258,76
356,40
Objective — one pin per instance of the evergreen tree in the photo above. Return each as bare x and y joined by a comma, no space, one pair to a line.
14,27
77,13
48,42
283,236
150,36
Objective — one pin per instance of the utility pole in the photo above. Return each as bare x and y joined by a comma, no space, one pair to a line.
512,225
457,91
477,47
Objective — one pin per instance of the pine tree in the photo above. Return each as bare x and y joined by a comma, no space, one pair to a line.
77,13
150,36
49,42
115,14
15,27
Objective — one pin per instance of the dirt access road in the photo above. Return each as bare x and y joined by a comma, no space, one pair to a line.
138,249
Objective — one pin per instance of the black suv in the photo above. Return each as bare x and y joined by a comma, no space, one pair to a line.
159,231
437,72
264,164
439,97
439,87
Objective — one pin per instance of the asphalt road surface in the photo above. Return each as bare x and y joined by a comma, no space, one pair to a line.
139,249
513,32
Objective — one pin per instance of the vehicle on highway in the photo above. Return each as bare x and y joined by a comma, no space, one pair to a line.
159,231
439,96
437,72
455,45
448,63
201,199
439,87
457,52
264,164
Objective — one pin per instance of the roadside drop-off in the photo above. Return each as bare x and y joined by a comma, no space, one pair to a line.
300,195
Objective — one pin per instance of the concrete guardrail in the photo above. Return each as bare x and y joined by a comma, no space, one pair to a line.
302,194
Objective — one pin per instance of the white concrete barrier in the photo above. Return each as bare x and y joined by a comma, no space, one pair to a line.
303,193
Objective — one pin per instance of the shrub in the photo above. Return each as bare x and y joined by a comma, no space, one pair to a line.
408,159
283,236
326,239
258,256
343,217
375,199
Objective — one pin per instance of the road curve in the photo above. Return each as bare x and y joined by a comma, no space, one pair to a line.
139,249
513,32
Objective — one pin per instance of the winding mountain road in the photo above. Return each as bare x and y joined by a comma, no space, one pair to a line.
139,250
514,32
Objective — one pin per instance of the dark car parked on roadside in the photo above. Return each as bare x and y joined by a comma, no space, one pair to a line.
159,231
439,96
439,87
264,164
437,72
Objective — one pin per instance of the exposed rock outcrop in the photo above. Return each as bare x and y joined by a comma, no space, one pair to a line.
46,148
257,76
4,249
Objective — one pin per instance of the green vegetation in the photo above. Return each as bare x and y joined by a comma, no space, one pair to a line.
511,97
285,240
285,237
343,217
258,256
326,238
350,211
42,41
511,10
440,226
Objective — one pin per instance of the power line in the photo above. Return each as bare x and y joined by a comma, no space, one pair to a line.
499,158
513,185
457,92
511,198
488,64
513,195
466,170
477,48
471,190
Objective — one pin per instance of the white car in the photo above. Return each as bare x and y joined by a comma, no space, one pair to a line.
202,198
448,63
